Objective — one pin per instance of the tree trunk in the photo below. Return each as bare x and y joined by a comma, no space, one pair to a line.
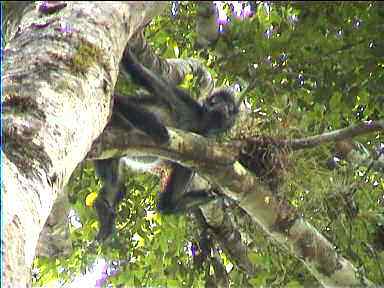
60,68
59,74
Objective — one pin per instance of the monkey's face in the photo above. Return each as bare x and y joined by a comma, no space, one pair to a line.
221,112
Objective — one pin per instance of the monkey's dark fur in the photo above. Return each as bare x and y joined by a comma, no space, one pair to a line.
177,197
216,114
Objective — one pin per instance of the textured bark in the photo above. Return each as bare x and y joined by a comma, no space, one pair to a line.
12,14
58,75
54,239
228,236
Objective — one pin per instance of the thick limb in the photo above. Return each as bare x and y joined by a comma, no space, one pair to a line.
143,76
155,84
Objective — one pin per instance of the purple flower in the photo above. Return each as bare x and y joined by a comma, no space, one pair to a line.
175,8
103,278
283,57
247,11
49,7
380,149
193,249
222,18
267,7
237,7
65,28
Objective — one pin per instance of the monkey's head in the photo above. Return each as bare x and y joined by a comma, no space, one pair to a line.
221,111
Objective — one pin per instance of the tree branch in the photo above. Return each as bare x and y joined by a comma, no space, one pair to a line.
341,134
217,163
183,146
59,73
336,135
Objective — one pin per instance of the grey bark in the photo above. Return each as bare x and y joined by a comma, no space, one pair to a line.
58,75
54,239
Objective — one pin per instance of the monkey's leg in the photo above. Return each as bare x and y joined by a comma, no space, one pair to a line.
192,199
178,182
176,198
110,194
106,215
169,94
130,115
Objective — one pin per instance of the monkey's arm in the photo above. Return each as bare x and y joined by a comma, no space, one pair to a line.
192,199
145,77
128,115
158,86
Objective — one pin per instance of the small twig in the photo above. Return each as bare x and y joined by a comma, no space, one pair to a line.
337,135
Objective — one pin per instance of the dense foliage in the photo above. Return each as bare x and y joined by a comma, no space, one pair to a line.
313,67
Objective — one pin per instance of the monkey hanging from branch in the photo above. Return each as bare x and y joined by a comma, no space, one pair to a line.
214,115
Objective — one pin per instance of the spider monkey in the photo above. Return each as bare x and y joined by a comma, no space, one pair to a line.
216,114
